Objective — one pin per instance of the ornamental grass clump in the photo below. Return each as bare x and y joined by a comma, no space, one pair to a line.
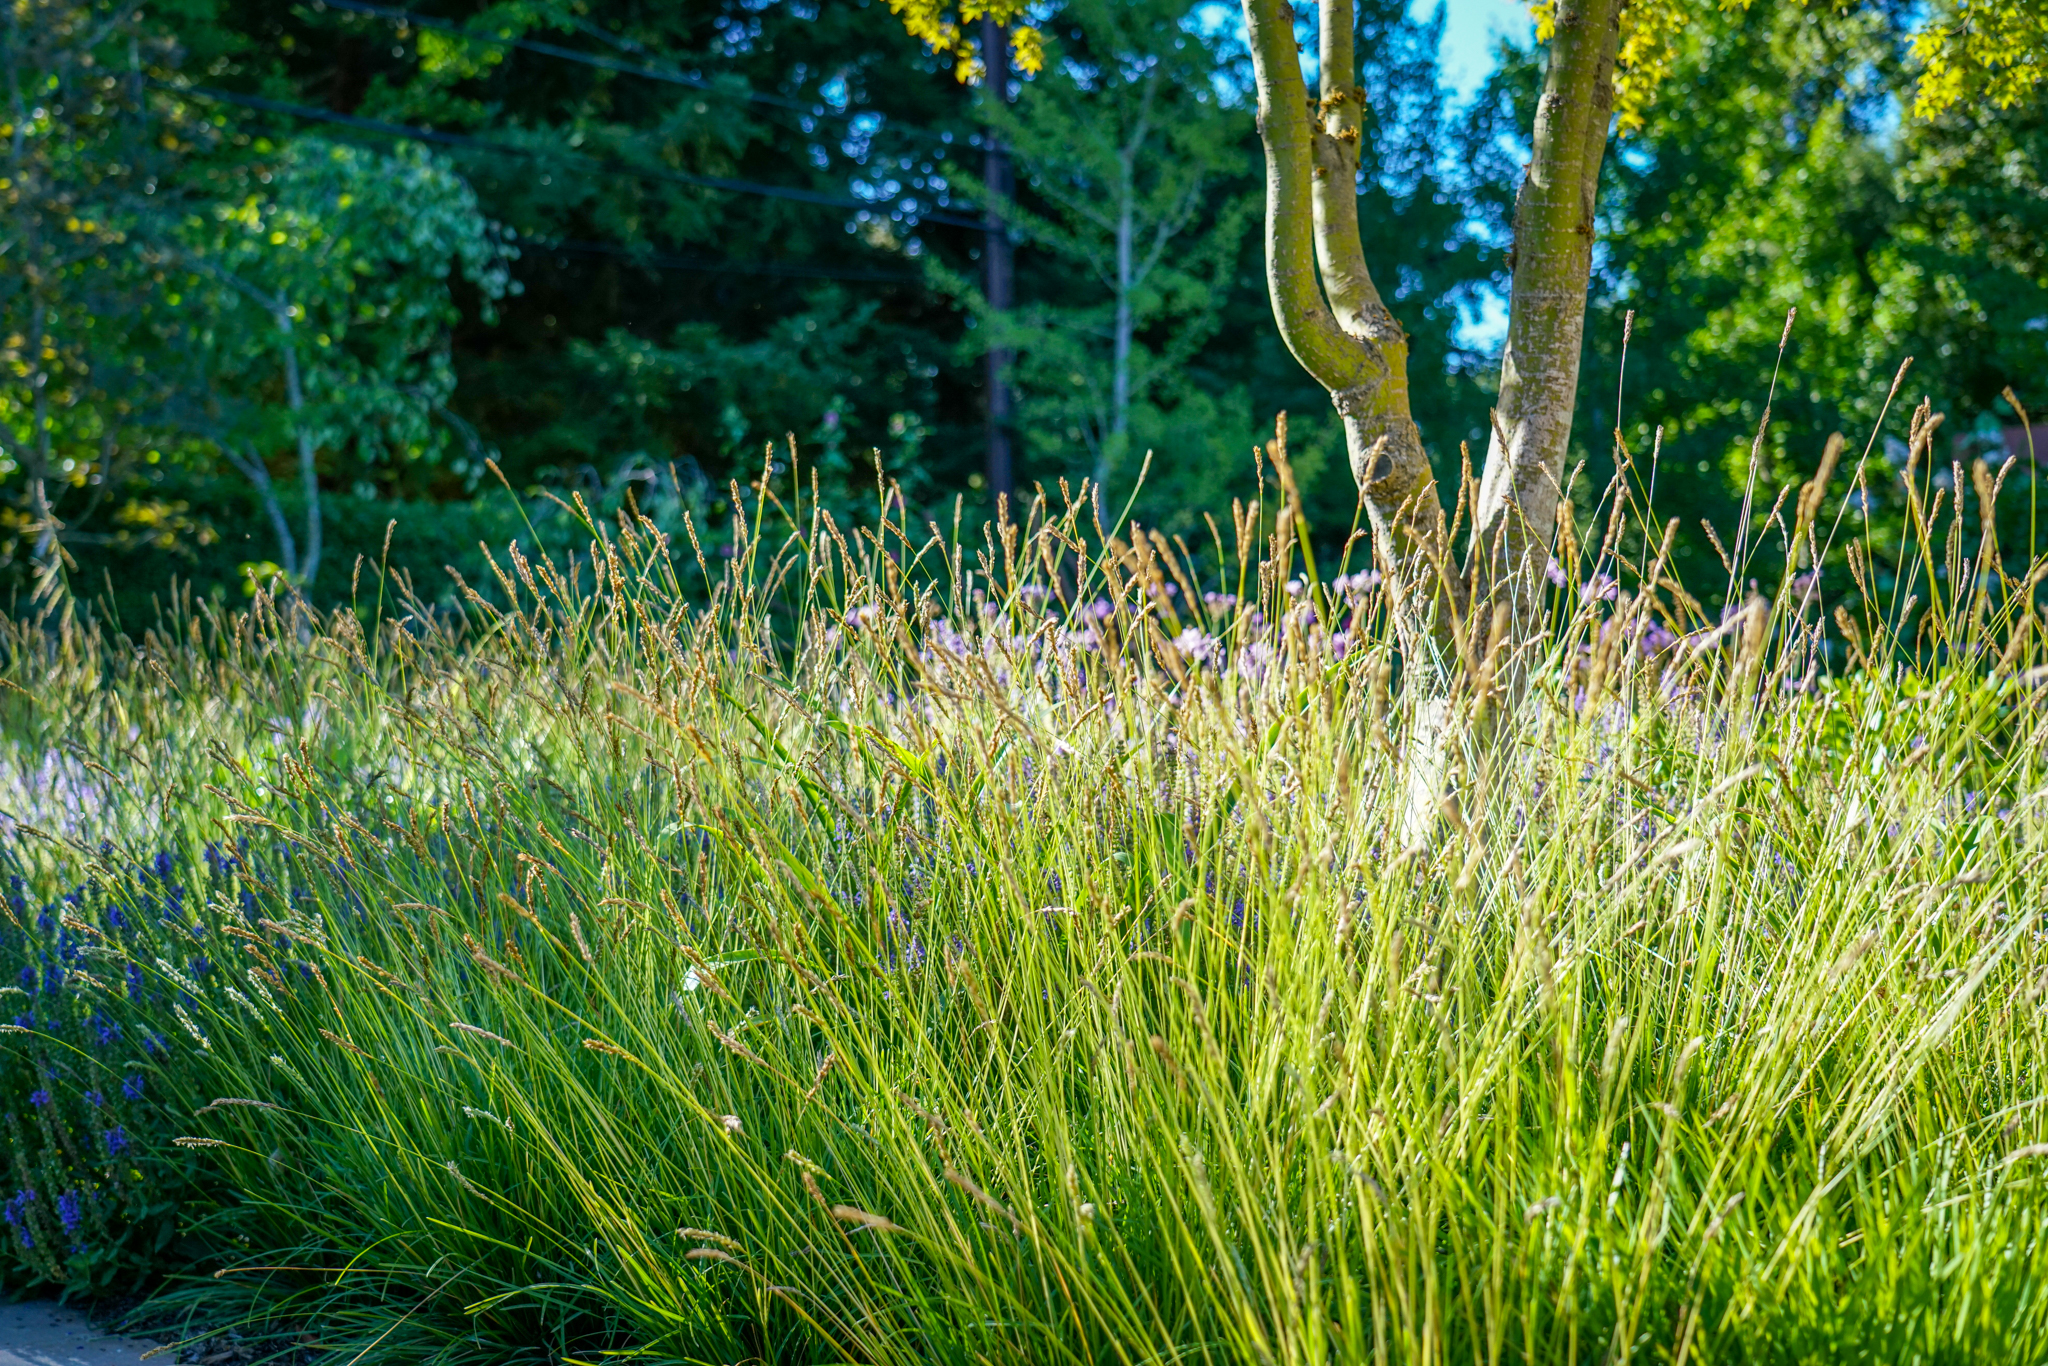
896,948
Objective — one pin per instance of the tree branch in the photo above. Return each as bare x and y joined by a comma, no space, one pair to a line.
253,469
1339,253
1337,360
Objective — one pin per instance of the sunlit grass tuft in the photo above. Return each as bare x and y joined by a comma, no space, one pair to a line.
926,952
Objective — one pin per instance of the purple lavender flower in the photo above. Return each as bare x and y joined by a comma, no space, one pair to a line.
95,1099
1198,646
16,1214
132,1086
71,1210
117,1141
161,866
39,1097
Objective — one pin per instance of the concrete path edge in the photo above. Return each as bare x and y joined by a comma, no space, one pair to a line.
40,1333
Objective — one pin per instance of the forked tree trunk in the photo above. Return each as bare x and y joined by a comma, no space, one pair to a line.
1337,326
1350,344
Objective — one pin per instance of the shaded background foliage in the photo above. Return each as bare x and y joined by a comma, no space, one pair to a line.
669,236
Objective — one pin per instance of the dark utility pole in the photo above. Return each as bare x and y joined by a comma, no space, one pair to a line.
996,263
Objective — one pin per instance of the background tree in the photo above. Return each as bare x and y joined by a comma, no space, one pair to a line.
319,316
1133,163
672,325
89,148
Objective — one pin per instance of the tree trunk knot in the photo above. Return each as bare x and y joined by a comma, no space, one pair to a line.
1355,401
1377,325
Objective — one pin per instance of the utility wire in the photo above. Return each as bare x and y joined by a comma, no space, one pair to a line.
718,266
652,73
588,165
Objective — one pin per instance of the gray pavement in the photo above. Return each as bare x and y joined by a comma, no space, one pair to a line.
43,1334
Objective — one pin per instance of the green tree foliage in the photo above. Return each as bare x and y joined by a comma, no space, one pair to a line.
319,315
1996,48
667,324
192,305
1788,179
89,145
712,225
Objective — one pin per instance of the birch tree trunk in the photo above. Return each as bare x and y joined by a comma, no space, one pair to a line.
40,511
1121,329
250,463
309,483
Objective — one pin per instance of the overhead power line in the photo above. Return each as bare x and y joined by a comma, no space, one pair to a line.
652,73
574,161
722,265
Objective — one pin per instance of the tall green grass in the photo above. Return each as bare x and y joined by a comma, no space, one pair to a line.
888,948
